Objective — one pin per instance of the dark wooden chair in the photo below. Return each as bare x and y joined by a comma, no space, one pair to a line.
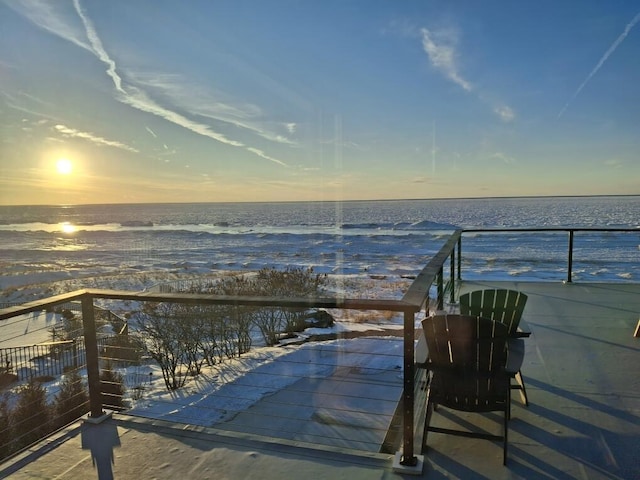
504,306
466,365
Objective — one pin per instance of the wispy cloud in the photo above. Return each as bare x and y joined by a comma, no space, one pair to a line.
502,157
72,132
260,153
505,113
206,103
604,58
97,48
614,163
48,16
151,132
441,49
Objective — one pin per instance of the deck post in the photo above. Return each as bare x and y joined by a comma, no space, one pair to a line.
452,293
440,282
91,349
570,261
408,458
460,258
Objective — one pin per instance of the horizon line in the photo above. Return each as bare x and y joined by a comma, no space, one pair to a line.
506,197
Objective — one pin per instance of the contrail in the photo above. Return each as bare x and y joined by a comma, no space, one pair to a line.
137,98
97,47
604,58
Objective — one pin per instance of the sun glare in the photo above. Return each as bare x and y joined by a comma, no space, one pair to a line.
67,227
64,166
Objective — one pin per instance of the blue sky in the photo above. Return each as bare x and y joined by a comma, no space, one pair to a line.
269,100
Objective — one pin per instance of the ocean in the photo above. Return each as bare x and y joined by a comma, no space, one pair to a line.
385,238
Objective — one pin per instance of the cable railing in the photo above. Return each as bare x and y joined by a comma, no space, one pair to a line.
572,233
436,284
100,360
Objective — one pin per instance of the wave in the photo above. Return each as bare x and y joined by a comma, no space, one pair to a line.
423,225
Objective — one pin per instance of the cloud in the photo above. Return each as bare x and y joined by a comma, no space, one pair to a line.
72,132
260,153
613,163
151,132
441,49
604,58
97,48
206,103
48,16
504,158
505,113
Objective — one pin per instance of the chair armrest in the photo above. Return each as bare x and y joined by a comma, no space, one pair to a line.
421,351
520,333
515,355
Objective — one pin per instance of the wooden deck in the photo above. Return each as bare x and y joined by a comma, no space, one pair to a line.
582,372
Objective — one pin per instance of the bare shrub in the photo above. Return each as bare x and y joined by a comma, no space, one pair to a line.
288,283
160,331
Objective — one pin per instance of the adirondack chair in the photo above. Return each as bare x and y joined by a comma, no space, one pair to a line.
505,306
466,365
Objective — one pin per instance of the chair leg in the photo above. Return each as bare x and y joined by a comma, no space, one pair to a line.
521,387
505,438
427,420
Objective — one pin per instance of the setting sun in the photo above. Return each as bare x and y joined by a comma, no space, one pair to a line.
64,166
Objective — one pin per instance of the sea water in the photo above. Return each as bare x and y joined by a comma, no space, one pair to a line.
390,238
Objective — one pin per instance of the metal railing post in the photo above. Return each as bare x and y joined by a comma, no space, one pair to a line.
440,282
570,262
460,258
452,273
91,353
408,458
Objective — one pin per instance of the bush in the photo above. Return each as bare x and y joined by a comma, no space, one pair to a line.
5,428
290,283
72,401
31,417
162,332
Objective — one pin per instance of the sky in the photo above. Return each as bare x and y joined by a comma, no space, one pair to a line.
286,100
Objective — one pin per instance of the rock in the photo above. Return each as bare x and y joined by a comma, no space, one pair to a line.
319,319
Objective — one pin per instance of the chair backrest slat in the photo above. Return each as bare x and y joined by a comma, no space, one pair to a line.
502,305
465,342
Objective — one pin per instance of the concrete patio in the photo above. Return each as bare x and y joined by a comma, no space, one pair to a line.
582,372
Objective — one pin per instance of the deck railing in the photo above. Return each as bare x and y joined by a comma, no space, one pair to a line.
434,283
411,304
571,233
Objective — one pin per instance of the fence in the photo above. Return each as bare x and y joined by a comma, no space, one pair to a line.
45,360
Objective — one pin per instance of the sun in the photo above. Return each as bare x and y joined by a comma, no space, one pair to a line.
64,166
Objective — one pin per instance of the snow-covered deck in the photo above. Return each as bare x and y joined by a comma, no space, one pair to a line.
582,371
